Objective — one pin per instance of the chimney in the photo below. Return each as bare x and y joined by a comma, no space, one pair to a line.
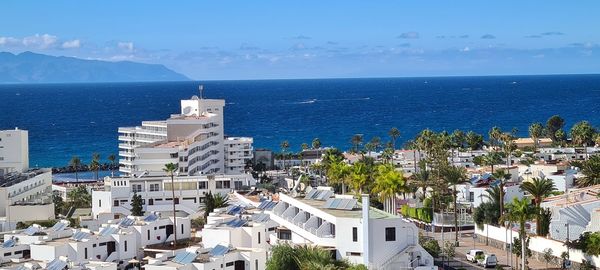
365,228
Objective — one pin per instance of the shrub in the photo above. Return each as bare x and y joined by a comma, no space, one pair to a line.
432,247
422,214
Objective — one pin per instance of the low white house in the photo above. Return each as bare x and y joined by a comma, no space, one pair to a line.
115,200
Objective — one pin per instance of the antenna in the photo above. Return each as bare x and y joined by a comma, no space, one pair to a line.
201,89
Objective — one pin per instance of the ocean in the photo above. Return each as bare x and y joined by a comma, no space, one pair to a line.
79,119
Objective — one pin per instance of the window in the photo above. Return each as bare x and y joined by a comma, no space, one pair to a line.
116,203
136,188
285,235
99,203
229,264
390,234
181,228
148,233
85,256
154,187
202,185
471,196
354,234
259,237
7,254
125,246
353,254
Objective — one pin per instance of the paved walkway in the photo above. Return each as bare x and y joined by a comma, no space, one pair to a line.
466,243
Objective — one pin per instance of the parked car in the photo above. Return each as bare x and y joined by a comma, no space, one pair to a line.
489,260
473,254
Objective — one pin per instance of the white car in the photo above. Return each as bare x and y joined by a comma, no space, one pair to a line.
489,260
473,254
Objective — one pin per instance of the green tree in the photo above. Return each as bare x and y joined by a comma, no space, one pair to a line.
356,141
316,143
95,165
388,183
112,159
582,133
388,156
376,142
394,134
539,188
286,257
554,124
220,201
285,145
494,136
548,256
75,163
560,137
491,159
59,204
521,211
591,171
339,174
79,197
209,204
137,208
170,169
454,175
502,176
536,130
474,140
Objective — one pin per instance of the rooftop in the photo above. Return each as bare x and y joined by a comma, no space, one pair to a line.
13,178
356,212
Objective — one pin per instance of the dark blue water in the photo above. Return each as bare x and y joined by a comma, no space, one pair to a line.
79,119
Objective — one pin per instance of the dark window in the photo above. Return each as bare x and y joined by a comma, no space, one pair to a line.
85,256
161,227
202,185
390,234
125,246
354,234
229,264
259,237
99,203
18,252
116,203
181,228
7,254
149,233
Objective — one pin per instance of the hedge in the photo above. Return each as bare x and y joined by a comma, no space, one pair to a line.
422,214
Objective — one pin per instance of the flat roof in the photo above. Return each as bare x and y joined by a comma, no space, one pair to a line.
374,213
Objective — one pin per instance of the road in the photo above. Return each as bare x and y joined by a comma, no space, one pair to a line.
466,243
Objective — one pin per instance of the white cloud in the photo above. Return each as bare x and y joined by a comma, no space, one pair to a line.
71,44
40,41
9,41
128,46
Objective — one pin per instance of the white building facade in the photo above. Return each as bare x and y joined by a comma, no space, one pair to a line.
14,151
193,139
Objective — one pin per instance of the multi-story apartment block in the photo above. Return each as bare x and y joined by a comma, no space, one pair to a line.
156,191
238,151
193,139
14,151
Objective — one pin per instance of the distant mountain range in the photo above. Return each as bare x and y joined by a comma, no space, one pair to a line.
28,67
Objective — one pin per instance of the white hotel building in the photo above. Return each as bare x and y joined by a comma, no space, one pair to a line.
14,151
193,139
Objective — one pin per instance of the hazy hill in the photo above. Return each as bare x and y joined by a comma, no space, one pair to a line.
31,67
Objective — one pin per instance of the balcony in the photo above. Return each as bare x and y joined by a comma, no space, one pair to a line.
126,154
126,146
126,138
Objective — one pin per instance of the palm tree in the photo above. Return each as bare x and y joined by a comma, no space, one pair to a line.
359,176
356,141
95,164
316,143
590,169
304,147
220,201
474,140
112,158
285,145
388,183
455,176
170,169
535,132
502,176
539,188
75,163
521,211
582,133
339,173
388,155
491,159
494,135
508,146
394,134
376,142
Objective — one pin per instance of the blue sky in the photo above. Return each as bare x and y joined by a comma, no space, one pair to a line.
314,39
